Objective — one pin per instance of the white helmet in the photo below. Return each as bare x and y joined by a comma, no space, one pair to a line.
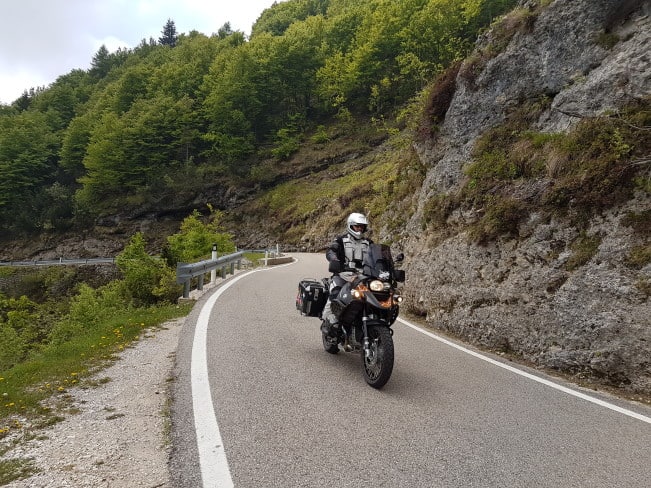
357,219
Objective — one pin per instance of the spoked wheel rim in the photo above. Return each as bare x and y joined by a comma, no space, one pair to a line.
378,365
373,363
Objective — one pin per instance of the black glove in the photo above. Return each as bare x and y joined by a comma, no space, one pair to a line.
334,266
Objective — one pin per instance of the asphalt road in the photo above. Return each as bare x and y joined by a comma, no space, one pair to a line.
291,415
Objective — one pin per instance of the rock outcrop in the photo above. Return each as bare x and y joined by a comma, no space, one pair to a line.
518,294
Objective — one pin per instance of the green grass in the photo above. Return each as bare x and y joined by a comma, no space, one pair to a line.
48,373
583,250
576,174
15,469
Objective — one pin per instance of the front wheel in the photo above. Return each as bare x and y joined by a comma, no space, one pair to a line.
378,361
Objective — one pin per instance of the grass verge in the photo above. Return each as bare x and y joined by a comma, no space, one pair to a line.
34,392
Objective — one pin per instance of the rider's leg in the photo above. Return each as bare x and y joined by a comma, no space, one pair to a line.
330,322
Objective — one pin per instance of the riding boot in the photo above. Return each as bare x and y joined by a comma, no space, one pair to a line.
329,328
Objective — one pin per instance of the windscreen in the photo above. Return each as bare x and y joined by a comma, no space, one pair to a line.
378,260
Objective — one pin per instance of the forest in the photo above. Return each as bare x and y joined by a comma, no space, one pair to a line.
160,120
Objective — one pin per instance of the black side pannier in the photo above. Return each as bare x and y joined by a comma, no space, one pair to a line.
311,298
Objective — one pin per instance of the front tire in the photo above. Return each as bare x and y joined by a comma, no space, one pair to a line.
378,366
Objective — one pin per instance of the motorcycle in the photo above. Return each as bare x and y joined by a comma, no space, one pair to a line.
367,306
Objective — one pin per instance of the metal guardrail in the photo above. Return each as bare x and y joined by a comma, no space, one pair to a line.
60,261
186,271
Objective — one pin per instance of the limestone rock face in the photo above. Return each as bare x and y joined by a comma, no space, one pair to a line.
518,295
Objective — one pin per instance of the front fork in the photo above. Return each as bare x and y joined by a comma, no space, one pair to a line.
366,343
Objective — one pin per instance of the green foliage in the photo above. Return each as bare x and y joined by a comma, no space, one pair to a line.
27,162
12,347
87,309
147,279
195,239
15,469
286,144
588,169
168,35
320,135
140,124
277,18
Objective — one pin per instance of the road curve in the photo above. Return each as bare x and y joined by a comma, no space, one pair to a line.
291,415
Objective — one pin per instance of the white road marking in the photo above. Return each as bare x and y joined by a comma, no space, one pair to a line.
212,455
530,376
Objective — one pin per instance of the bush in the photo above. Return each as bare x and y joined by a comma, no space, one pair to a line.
286,144
12,347
195,239
147,279
86,311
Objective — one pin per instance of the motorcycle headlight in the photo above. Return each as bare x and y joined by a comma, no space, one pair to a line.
397,298
376,285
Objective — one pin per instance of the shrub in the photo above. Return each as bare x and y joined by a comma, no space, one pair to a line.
320,135
639,257
439,98
196,238
286,144
502,217
146,278
12,347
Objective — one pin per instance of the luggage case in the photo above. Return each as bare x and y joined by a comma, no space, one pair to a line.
311,298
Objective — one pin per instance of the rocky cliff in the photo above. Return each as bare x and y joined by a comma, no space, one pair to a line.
534,292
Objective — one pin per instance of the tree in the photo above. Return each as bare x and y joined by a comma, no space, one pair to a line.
101,63
28,151
195,239
225,31
169,36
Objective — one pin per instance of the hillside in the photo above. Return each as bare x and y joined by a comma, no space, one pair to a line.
517,181
524,200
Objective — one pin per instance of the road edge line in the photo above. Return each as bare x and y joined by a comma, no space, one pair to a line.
213,463
530,376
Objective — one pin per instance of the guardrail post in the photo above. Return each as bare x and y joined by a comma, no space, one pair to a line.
186,289
200,282
213,272
239,264
223,272
232,268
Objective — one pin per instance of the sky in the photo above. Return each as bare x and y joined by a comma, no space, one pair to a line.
41,40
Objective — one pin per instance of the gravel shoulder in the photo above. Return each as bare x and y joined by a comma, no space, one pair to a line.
120,437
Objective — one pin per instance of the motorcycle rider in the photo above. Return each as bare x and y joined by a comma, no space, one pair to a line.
345,255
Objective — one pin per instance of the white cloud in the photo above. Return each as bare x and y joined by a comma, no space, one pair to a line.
41,40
